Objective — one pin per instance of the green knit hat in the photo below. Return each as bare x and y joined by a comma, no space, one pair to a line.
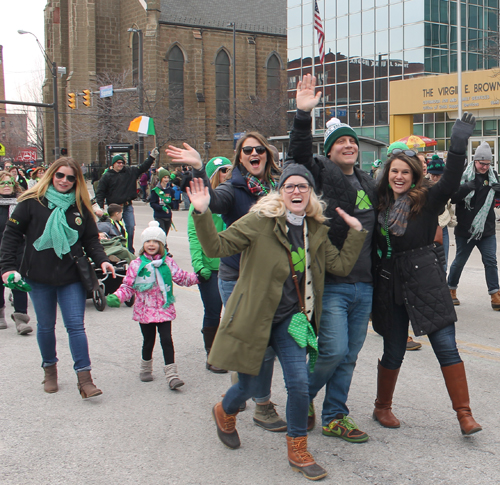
334,130
215,164
396,144
163,172
116,158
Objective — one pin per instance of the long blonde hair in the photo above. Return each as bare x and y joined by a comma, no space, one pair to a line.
273,205
215,180
80,187
17,189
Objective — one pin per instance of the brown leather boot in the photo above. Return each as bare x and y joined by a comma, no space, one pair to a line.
301,460
454,298
495,301
50,381
386,383
86,386
456,383
226,426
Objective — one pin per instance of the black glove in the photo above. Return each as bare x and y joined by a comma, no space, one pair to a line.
460,133
470,185
495,187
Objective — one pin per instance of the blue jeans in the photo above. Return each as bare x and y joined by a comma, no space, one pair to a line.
212,303
446,246
295,372
442,341
129,220
265,378
144,193
488,248
71,299
342,333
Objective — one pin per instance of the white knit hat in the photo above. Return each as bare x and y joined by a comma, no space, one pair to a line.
154,233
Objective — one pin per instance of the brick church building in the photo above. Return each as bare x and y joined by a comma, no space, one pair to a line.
189,68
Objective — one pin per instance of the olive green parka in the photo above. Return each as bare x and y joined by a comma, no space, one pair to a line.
245,329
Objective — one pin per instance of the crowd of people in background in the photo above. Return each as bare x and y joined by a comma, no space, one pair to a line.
301,258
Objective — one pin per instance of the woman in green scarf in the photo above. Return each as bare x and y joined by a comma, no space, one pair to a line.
56,219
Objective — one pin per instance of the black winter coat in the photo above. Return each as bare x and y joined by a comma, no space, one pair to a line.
331,183
414,275
120,187
29,218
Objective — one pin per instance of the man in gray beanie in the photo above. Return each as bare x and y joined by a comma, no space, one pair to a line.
476,226
347,301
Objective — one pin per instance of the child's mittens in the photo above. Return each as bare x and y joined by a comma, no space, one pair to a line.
204,275
113,301
16,282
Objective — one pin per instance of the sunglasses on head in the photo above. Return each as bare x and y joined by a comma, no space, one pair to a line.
249,150
69,178
408,153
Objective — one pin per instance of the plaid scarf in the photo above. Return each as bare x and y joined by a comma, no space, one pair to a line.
477,227
397,216
256,186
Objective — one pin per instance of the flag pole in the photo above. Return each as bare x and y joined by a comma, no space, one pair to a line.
313,61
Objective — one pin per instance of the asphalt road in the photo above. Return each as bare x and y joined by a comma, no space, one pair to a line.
144,433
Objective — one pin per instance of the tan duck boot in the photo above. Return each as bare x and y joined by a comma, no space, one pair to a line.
495,301
301,460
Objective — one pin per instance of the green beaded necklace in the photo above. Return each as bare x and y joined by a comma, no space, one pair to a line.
387,238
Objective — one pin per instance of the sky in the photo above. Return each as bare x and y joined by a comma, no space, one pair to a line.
23,60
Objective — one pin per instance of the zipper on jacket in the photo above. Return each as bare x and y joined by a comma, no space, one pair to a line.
235,308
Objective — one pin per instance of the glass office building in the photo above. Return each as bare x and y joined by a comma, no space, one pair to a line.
369,43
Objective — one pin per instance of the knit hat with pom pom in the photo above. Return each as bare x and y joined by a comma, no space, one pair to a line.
436,165
154,233
334,130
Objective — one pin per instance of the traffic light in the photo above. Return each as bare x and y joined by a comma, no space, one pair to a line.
72,100
64,151
86,97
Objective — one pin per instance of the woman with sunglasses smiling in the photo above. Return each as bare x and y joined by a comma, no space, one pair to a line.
254,175
10,190
410,283
56,219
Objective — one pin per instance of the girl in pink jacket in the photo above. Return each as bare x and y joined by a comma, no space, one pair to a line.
150,278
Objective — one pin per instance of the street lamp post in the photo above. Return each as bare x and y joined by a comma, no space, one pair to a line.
55,103
140,91
233,25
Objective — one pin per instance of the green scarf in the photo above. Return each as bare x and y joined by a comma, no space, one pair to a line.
57,233
302,332
152,272
477,227
167,200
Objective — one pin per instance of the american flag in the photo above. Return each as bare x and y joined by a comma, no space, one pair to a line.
318,26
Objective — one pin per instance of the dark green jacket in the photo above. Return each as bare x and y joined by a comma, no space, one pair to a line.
244,331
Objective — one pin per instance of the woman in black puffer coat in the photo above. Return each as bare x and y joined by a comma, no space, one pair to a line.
410,283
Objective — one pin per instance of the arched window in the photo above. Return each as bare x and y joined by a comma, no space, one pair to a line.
135,58
176,86
273,76
222,92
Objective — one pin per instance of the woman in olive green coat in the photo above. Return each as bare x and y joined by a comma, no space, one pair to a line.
281,228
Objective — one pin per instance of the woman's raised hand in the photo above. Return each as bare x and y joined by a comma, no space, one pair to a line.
198,195
349,220
187,156
307,99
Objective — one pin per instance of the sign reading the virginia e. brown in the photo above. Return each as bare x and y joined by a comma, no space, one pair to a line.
480,90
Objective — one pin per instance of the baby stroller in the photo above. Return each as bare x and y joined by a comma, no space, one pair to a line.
108,285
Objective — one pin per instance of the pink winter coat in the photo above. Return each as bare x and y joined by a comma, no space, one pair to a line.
148,306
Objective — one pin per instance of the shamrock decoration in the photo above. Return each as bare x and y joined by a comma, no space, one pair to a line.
383,231
363,202
299,260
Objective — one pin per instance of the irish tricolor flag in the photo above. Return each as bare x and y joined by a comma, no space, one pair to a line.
143,124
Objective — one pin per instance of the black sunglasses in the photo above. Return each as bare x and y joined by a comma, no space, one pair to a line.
69,178
249,150
408,153
224,169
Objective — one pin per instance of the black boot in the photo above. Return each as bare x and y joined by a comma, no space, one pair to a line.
209,336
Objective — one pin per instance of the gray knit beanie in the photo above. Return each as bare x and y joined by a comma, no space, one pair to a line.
292,168
483,152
